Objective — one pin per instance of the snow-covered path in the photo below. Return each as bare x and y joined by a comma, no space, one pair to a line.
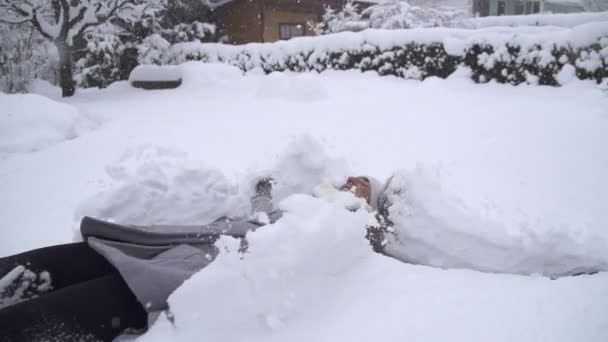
531,160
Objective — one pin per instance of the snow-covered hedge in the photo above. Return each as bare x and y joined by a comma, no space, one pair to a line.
507,55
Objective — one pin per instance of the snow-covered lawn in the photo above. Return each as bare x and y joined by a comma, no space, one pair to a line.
511,173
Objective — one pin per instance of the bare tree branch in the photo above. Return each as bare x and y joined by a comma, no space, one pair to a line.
38,27
15,22
116,6
79,17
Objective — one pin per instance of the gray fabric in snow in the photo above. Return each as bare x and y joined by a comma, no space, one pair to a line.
156,260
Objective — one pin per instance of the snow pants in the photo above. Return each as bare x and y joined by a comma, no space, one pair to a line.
65,293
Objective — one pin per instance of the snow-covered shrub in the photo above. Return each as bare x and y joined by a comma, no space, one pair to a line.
512,63
511,55
392,14
192,32
398,14
100,65
347,19
153,49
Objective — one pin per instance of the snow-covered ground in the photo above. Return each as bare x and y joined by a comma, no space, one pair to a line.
497,178
553,19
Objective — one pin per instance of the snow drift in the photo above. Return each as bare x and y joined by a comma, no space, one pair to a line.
436,229
31,122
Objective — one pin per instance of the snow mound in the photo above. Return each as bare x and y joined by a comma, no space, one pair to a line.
304,164
312,276
301,88
156,185
31,122
436,229
198,75
155,73
271,286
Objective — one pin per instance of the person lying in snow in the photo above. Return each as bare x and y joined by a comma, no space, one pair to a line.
105,286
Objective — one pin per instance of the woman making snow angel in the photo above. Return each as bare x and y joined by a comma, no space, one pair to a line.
105,286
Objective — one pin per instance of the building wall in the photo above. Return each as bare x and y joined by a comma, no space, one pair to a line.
563,7
545,6
273,18
246,21
240,21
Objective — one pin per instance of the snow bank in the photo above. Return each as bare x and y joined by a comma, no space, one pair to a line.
312,277
435,228
155,185
557,19
31,122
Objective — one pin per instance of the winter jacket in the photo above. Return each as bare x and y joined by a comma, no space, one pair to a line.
156,260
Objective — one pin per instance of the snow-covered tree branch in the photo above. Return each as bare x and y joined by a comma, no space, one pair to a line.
61,21
391,14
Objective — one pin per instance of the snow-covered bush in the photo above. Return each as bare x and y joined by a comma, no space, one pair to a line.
398,14
392,14
100,65
192,32
153,49
347,19
508,55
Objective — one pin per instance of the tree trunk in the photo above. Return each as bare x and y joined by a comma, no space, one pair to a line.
65,68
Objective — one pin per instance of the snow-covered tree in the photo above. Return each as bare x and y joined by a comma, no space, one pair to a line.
154,48
346,19
61,21
392,14
401,14
100,64
24,55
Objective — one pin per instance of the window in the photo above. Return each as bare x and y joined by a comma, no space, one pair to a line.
519,8
501,8
484,8
288,31
532,7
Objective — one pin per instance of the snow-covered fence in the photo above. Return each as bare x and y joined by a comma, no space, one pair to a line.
508,55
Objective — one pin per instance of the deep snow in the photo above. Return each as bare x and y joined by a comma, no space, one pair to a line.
517,166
